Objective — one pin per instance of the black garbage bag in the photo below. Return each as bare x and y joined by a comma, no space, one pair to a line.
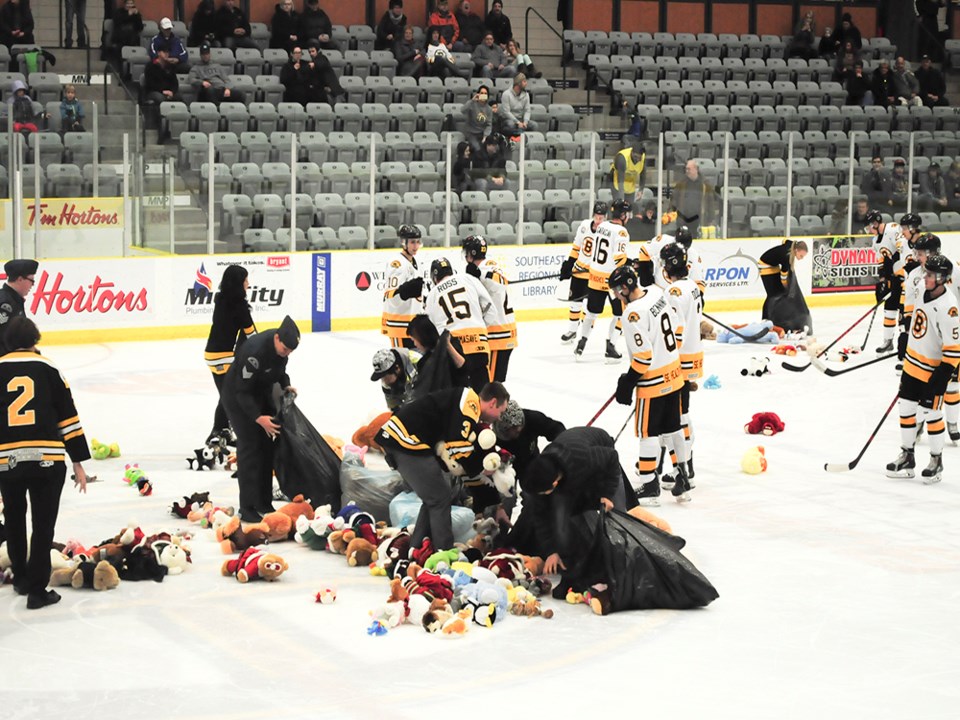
789,310
641,564
305,464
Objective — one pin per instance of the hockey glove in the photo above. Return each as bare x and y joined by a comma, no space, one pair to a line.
566,270
626,386
411,289
881,290
939,379
473,270
645,272
902,346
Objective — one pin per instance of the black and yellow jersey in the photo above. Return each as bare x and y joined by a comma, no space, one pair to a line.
232,324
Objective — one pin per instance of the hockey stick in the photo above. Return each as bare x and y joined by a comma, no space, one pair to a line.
801,368
831,372
746,338
600,411
624,426
869,327
533,279
843,467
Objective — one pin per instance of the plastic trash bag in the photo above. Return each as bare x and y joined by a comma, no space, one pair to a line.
641,564
372,490
789,310
405,507
303,461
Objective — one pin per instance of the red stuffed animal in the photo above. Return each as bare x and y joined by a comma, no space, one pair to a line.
765,423
254,563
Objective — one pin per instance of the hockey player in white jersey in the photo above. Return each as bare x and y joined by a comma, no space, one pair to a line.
459,303
650,268
932,358
502,334
403,288
885,244
576,267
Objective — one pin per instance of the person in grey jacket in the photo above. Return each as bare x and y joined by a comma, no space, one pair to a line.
906,87
479,118
491,60
209,79
515,107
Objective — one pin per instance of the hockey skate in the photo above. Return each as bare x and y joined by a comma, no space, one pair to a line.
611,354
682,486
903,466
932,472
581,344
690,473
568,337
886,347
648,494
669,480
953,432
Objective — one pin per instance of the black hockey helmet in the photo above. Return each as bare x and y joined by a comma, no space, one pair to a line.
623,277
928,242
620,209
940,267
674,259
872,216
439,269
684,237
600,208
474,247
408,232
911,220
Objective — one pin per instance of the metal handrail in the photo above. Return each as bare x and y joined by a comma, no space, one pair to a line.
86,31
526,35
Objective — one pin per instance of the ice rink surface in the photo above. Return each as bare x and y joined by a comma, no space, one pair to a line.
838,592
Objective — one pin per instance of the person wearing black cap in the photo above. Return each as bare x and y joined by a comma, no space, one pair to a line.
21,275
248,397
847,32
233,27
209,79
933,87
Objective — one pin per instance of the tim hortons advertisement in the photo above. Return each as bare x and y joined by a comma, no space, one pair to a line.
73,227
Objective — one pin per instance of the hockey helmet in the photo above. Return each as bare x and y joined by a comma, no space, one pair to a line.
674,259
911,220
872,217
623,277
408,232
928,243
940,267
684,237
474,247
440,269
600,208
620,209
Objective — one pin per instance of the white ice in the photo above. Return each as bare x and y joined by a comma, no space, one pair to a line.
838,592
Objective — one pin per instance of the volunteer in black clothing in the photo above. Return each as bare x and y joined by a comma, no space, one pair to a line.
39,427
21,275
519,431
410,439
776,267
248,398
232,324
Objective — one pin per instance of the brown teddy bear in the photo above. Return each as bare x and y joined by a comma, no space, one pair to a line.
707,330
297,507
255,563
338,540
99,576
360,552
280,526
233,538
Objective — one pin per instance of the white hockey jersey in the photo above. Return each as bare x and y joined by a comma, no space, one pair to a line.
934,336
688,302
913,289
649,326
609,253
650,252
460,304
582,249
502,334
397,312
885,243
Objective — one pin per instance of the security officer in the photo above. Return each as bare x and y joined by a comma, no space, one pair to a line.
248,398
21,275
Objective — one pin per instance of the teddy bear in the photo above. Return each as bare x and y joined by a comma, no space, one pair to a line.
182,509
255,563
311,533
297,507
754,461
207,457
418,581
234,538
707,330
281,526
392,549
441,618
785,349
360,552
99,576
765,423
504,563
338,540
525,603
750,331
170,555
141,563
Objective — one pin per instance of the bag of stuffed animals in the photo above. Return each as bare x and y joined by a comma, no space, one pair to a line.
640,565
305,464
369,488
405,508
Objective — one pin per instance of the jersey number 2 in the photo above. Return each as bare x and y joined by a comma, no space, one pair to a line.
16,414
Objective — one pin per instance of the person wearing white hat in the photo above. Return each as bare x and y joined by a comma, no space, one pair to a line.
167,40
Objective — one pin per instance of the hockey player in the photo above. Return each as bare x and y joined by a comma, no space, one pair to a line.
37,431
686,298
654,380
502,335
650,269
609,253
404,288
923,248
889,284
932,357
577,268
459,303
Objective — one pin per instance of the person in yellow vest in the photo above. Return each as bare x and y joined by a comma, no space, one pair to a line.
627,171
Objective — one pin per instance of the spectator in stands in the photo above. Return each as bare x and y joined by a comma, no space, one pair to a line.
933,189
324,83
694,199
643,227
846,62
440,62
627,172
233,27
515,106
285,26
883,85
933,87
478,116
906,88
461,176
876,184
858,88
127,24
838,219
75,9
446,23
16,23
899,186
827,48
20,109
498,23
496,118
523,62
203,27
391,25
928,29
490,164
410,59
295,76
71,111
847,32
209,79
491,60
166,40
471,28
804,36
315,25
160,81
860,209
953,186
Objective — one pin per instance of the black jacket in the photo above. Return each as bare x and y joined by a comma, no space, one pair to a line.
525,447
387,26
313,24
500,27
157,78
228,20
11,306
248,386
282,26
203,27
231,325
